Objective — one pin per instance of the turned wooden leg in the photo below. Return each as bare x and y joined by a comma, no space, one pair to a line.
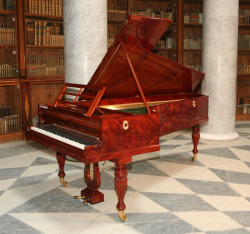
121,187
92,178
61,162
196,138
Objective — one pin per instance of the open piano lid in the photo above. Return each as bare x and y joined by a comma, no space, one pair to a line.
130,53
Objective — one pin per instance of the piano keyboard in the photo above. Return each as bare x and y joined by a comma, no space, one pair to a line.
62,134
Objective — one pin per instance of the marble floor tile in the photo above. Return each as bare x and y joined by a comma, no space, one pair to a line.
227,203
233,176
208,187
209,220
181,171
150,183
223,163
241,189
57,222
139,203
242,217
13,161
244,155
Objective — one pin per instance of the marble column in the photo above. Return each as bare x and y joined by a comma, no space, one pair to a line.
219,63
85,38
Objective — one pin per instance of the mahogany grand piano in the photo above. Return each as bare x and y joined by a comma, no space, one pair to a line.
133,98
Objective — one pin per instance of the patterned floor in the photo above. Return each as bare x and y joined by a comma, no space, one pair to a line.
167,193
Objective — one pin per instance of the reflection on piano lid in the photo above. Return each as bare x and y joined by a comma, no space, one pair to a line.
63,134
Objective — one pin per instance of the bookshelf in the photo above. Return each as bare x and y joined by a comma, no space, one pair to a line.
243,69
119,10
31,61
166,46
44,40
10,87
192,33
8,46
183,40
117,16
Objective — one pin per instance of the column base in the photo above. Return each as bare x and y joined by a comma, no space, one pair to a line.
219,137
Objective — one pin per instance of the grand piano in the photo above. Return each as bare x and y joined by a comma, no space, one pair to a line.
133,98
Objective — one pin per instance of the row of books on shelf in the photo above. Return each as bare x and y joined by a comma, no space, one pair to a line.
10,123
168,13
192,42
193,16
49,60
244,19
244,42
8,5
45,70
8,70
167,43
243,100
117,14
45,7
243,104
243,109
7,36
243,68
44,33
5,111
244,16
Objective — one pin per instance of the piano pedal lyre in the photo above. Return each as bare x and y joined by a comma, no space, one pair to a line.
122,216
85,199
63,182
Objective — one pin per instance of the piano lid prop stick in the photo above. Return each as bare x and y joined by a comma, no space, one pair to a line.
135,77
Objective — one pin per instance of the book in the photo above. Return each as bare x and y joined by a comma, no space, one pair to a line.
30,33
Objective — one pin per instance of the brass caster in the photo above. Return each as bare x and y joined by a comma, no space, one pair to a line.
85,200
122,216
63,183
79,197
194,158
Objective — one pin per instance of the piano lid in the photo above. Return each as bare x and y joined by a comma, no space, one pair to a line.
130,59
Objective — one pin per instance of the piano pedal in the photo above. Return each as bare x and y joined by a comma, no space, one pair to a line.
122,216
63,182
85,199
101,169
194,158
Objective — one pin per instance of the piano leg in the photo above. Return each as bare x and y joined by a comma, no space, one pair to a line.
196,138
120,187
92,179
61,161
